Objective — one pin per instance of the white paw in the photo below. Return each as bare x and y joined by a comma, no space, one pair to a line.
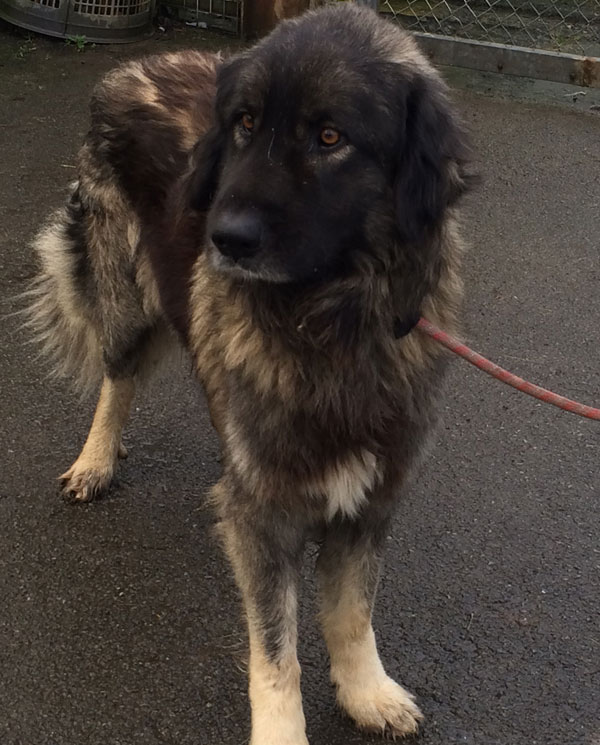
84,482
272,726
279,740
274,737
382,706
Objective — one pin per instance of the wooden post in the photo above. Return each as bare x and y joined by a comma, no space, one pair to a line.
260,16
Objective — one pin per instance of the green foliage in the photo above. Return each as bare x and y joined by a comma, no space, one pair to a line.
80,42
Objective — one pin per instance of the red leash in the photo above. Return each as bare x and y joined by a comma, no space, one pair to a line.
500,374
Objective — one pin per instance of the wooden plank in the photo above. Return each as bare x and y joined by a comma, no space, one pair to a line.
510,60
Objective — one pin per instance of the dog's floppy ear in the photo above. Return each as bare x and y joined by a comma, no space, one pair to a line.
208,153
206,161
431,164
430,176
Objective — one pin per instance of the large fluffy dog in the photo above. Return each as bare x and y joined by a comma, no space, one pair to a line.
289,213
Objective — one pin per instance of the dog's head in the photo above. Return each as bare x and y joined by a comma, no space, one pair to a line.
332,135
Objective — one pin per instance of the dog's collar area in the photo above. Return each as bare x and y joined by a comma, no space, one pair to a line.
403,326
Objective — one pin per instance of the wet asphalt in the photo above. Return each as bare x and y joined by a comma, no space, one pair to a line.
119,621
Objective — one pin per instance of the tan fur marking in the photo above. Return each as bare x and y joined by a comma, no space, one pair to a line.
94,468
133,235
241,458
133,74
146,279
186,118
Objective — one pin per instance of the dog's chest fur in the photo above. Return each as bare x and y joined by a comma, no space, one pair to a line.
345,485
339,485
298,427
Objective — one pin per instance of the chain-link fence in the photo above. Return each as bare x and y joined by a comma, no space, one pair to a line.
571,26
549,39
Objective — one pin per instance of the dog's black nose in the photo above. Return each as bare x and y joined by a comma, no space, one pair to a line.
238,234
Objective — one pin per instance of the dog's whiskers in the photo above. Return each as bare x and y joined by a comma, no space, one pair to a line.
271,145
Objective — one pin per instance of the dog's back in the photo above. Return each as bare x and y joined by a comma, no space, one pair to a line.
146,116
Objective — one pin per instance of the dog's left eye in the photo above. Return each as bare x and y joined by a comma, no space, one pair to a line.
328,137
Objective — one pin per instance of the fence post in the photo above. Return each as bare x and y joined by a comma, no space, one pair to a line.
260,16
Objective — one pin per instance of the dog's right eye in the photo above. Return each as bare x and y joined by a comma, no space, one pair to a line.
247,123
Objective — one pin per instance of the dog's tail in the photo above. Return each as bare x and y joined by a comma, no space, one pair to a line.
61,310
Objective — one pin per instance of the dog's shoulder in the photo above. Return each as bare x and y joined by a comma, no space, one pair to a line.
146,116
175,89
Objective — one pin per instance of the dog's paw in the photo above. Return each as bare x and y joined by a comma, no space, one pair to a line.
382,706
280,739
83,483
90,476
271,726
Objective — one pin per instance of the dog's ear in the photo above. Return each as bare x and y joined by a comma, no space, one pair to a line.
431,167
206,161
208,153
431,173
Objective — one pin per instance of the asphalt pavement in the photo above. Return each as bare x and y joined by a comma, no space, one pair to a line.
119,620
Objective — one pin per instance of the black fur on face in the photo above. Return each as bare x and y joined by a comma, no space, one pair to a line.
317,135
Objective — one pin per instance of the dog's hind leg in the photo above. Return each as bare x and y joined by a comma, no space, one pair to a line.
348,569
96,310
93,470
129,356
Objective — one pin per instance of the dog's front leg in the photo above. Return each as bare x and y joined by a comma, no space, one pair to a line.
265,548
348,569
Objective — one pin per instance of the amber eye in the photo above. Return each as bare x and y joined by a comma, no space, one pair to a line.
247,122
329,136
